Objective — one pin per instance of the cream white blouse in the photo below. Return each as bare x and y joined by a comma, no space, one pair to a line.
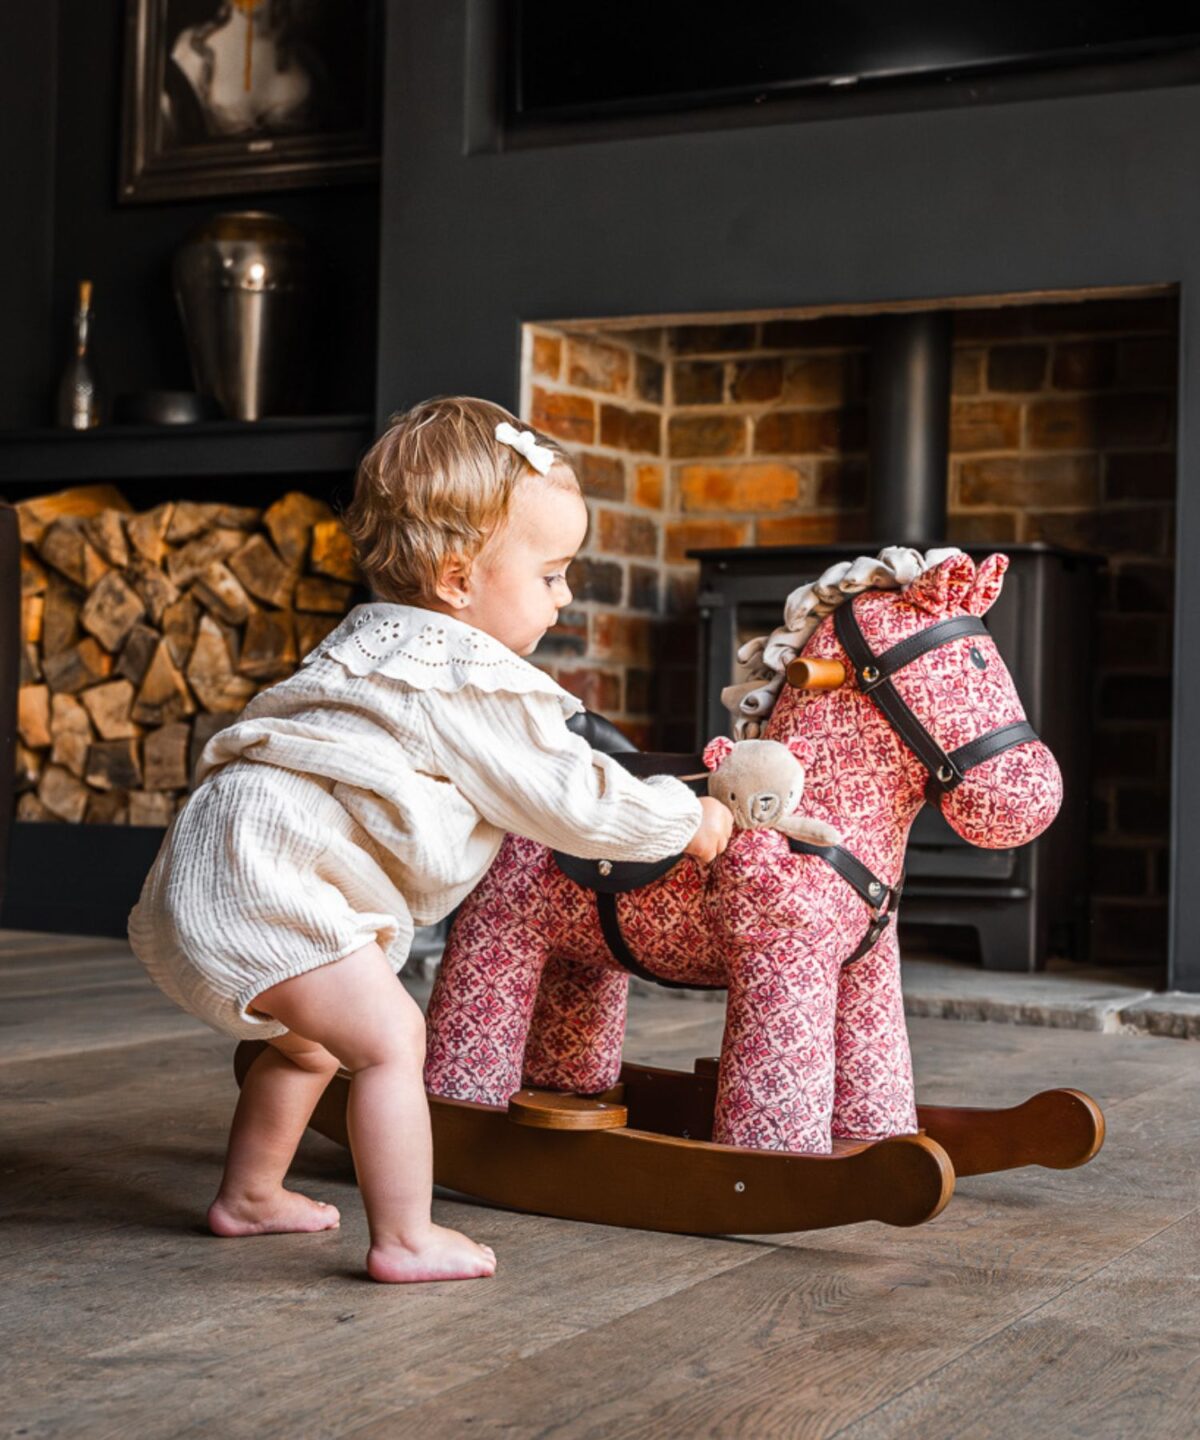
438,739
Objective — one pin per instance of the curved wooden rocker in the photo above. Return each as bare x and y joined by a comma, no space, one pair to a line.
639,1156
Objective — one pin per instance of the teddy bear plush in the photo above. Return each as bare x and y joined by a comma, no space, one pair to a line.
762,781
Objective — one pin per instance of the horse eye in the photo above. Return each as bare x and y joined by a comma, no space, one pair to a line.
732,796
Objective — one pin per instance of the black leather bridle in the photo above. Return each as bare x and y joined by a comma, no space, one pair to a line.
947,770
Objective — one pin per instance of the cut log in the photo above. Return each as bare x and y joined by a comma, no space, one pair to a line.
194,558
74,669
28,768
30,669
332,552
71,730
60,617
148,533
62,794
33,715
312,629
237,517
268,645
137,653
155,588
114,765
290,521
106,534
218,589
33,573
210,671
65,548
263,573
107,807
165,757
111,611
150,807
33,610
109,706
327,596
29,807
36,515
179,623
189,519
163,696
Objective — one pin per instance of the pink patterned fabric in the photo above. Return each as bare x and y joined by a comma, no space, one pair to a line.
528,992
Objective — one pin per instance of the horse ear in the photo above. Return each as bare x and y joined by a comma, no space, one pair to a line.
943,588
716,751
802,749
989,580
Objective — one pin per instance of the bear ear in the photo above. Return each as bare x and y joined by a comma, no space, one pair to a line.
717,751
943,588
989,580
802,749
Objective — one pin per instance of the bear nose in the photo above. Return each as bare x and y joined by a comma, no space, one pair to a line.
762,805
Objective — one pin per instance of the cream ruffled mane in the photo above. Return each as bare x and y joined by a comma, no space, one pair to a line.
765,659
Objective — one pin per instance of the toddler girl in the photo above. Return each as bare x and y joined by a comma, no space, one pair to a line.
369,792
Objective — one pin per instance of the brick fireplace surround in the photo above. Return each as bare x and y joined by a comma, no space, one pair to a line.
755,432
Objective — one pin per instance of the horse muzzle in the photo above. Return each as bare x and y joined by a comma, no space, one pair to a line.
1007,800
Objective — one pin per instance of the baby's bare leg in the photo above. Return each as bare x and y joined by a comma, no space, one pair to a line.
359,1011
278,1095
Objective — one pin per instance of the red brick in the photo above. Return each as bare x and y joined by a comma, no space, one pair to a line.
984,425
648,486
822,379
596,580
638,431
1016,368
568,417
547,356
1084,365
1135,420
967,375
623,534
841,485
1050,480
706,435
599,690
1127,754
986,527
767,486
711,339
1150,363
602,476
809,432
697,382
681,593
643,592
638,732
1135,697
684,535
802,530
568,637
1144,587
640,688
593,366
1140,476
1063,424
625,638
1133,642
756,380
648,379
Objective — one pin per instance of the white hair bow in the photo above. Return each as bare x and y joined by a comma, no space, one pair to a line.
523,443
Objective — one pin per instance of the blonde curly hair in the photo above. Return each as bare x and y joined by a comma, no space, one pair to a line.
435,485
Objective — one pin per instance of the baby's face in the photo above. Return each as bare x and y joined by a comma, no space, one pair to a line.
518,582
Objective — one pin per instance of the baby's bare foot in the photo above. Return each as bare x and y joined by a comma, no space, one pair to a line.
282,1213
440,1255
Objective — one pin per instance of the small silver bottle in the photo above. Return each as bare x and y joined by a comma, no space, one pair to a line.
78,405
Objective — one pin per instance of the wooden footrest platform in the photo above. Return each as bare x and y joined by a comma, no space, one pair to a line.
549,1110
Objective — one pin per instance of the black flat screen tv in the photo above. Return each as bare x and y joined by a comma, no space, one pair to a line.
579,59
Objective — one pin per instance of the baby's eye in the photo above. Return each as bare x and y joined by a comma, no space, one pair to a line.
553,580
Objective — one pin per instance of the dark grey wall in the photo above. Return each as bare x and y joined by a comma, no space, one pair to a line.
1090,190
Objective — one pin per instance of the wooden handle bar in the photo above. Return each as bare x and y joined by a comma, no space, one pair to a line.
816,674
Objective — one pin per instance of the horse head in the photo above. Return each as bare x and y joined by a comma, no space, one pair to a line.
919,664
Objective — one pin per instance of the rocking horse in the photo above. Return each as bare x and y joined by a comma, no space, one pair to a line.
808,1119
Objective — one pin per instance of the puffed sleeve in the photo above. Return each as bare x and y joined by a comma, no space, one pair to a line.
514,759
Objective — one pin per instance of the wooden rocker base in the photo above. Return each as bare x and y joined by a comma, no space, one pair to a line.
640,1156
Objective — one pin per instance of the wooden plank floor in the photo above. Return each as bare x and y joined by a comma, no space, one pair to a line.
1039,1303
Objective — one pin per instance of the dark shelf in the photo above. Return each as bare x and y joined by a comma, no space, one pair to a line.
311,445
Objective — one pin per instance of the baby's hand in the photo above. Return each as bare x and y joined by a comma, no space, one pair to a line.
712,835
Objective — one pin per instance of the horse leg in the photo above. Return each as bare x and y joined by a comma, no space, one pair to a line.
578,1028
873,1092
483,999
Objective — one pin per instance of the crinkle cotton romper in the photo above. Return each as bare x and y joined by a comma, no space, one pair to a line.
368,793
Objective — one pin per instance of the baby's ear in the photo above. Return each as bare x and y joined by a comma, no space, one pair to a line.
717,751
802,749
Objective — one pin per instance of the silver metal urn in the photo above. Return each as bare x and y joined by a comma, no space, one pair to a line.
243,282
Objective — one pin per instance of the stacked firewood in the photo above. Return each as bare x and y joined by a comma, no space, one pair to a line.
146,632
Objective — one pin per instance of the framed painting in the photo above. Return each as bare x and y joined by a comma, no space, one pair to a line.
221,97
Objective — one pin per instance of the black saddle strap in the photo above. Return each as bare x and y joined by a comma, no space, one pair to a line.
882,898
606,907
